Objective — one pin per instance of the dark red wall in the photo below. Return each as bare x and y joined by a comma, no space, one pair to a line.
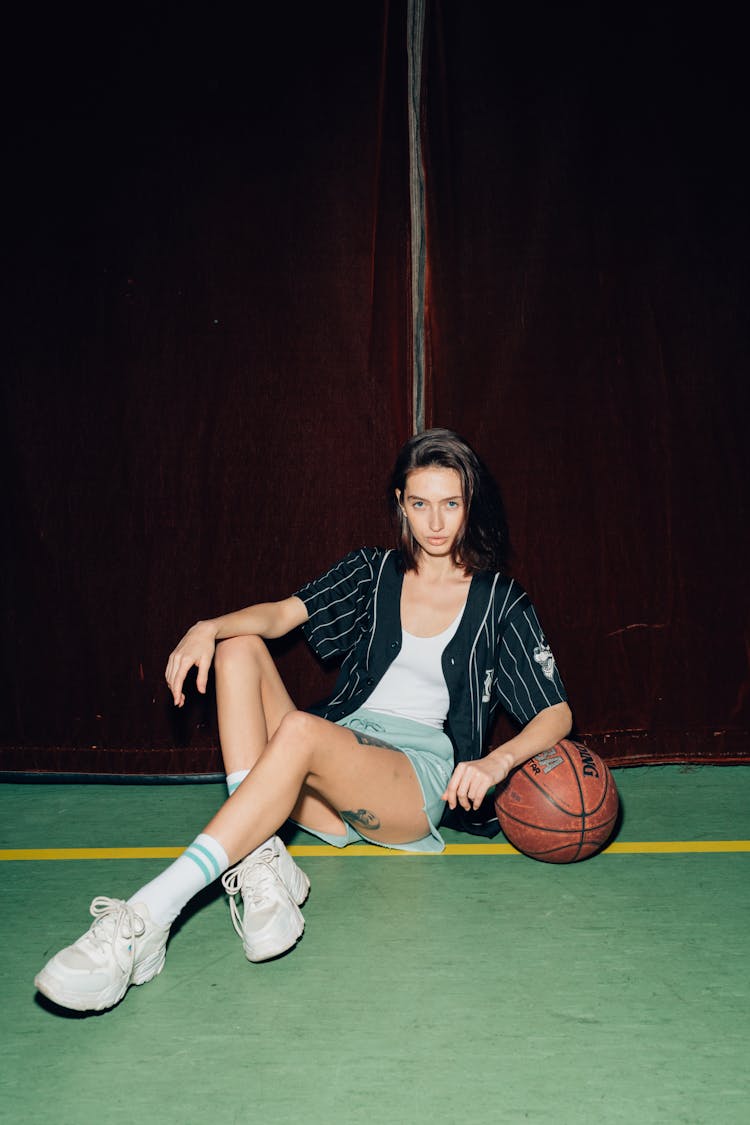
208,352
587,191
209,377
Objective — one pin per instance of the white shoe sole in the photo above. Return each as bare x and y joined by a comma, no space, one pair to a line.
55,990
264,949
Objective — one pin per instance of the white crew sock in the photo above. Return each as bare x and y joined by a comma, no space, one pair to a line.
166,895
234,779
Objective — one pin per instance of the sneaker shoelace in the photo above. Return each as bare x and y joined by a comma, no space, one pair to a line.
114,919
252,878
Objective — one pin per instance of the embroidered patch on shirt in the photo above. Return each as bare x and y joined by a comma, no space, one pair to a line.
543,656
488,676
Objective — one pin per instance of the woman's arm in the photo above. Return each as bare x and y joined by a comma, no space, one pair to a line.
197,647
268,619
470,780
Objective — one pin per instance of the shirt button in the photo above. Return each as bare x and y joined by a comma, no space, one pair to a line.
394,644
370,681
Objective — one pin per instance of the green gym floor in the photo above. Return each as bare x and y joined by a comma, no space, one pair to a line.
473,986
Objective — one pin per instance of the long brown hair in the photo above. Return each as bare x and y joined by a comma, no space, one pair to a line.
483,542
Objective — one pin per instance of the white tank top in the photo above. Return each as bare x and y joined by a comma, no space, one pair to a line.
414,686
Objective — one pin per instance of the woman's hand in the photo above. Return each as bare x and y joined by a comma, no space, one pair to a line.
195,650
470,781
197,647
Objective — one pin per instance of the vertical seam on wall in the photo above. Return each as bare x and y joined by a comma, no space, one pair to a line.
415,39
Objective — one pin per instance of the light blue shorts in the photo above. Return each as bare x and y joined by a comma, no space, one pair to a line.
430,752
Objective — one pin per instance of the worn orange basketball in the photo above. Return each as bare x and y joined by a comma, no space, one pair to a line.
560,806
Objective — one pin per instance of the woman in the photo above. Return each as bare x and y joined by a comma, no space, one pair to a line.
433,638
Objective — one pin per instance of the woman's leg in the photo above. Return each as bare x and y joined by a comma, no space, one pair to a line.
372,785
366,781
251,701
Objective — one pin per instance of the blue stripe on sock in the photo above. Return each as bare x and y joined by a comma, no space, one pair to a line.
199,863
209,856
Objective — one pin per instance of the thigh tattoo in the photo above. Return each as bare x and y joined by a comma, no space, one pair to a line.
365,818
368,740
361,818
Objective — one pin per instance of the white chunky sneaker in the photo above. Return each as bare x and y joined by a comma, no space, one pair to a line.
272,888
121,947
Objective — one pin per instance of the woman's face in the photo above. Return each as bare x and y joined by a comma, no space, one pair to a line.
434,506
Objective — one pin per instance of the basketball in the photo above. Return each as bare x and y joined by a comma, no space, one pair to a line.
560,806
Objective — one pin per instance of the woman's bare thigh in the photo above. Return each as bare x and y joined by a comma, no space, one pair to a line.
246,676
371,784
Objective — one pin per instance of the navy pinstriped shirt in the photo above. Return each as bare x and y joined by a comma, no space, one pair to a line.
498,656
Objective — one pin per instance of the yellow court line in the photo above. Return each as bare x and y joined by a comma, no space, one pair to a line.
90,853
647,847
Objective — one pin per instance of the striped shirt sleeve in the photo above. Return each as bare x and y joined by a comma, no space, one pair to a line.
526,677
337,605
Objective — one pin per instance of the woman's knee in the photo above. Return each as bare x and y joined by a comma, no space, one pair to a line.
239,653
298,733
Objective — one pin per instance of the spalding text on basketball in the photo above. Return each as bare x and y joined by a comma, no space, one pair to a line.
589,766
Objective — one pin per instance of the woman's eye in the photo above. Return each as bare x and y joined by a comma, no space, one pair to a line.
419,504
453,503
